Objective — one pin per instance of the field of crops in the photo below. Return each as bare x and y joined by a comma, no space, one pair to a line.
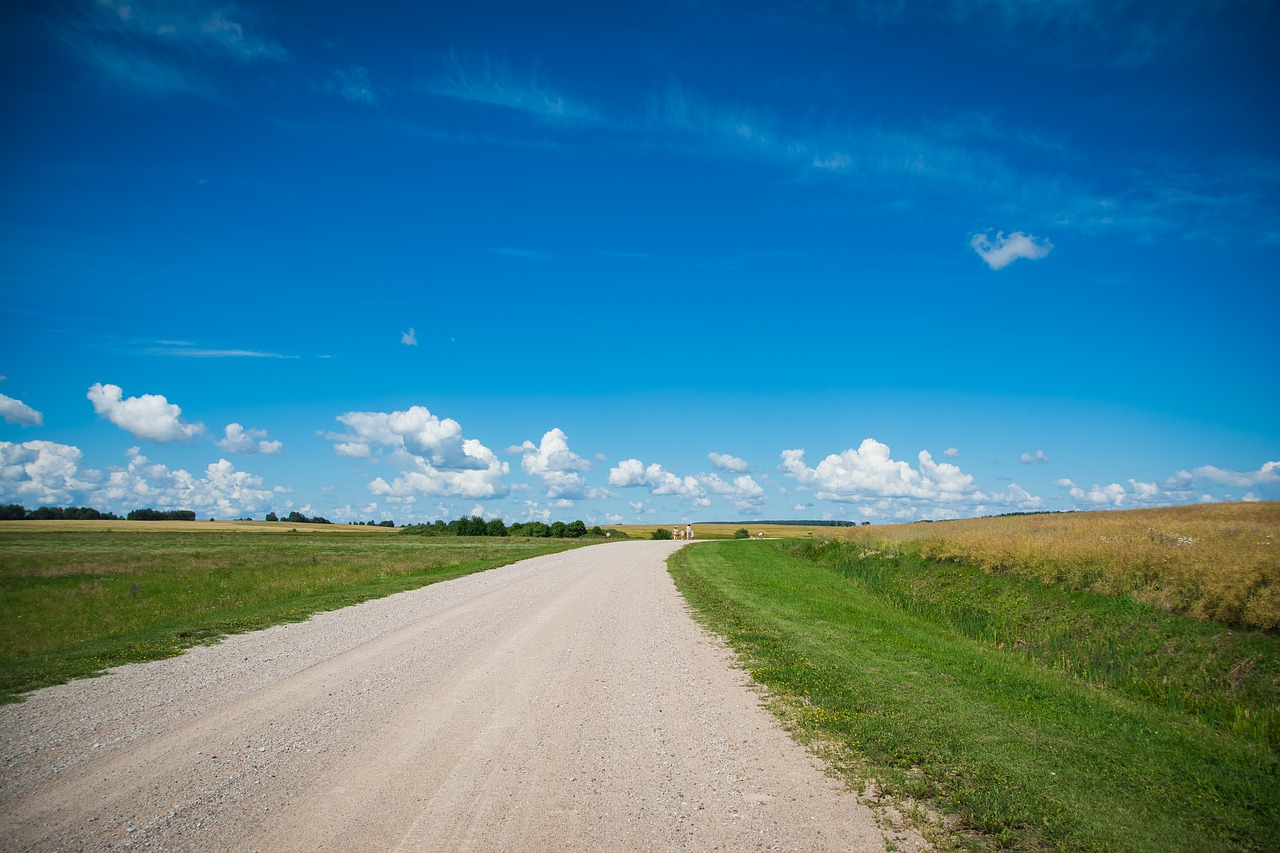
1211,561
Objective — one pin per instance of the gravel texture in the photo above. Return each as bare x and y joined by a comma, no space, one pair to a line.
566,702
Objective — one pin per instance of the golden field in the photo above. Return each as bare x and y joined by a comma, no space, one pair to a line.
1210,561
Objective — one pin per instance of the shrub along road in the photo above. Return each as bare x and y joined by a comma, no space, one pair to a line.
564,702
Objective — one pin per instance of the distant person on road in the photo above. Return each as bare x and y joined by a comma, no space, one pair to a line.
675,533
688,532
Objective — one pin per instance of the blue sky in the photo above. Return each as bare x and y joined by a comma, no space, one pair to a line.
876,261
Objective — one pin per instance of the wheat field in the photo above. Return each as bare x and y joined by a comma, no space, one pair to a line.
1210,561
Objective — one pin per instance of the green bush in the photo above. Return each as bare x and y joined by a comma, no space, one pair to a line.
741,533
661,533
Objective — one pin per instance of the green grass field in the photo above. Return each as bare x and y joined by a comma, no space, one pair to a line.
78,598
916,676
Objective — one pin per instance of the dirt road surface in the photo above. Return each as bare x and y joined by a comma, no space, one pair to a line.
563,703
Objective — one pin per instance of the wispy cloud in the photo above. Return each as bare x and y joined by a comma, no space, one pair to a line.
952,164
161,47
1107,33
523,254
135,70
409,338
197,352
1230,201
195,23
494,83
945,154
353,84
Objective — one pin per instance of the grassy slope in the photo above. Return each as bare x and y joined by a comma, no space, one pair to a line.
74,602
1020,755
1210,561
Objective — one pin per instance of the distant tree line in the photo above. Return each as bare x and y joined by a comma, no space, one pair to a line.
477,526
161,515
385,523
825,522
1032,512
296,517
17,512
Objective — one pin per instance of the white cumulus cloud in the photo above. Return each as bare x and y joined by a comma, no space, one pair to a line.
1267,475
42,473
17,412
150,416
353,450
744,493
1115,495
1017,498
630,473
725,462
870,471
1003,250
222,491
435,458
559,468
1033,458
247,442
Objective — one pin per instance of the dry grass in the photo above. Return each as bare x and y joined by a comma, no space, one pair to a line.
1210,561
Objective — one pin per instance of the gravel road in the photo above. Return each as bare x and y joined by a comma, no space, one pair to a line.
566,702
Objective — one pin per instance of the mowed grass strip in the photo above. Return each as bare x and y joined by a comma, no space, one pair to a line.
1017,755
1226,678
74,603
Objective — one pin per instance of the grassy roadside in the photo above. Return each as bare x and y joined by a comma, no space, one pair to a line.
1016,754
1226,678
74,603
1209,561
